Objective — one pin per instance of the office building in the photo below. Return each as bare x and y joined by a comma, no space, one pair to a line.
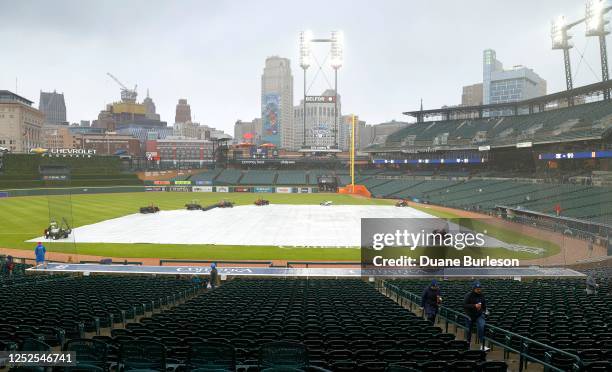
183,112
149,105
501,85
248,131
53,106
277,104
346,129
20,123
58,137
472,95
320,122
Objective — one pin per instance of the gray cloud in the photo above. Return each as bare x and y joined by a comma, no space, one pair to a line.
212,53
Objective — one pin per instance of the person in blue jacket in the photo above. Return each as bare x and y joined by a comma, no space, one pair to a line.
39,252
430,301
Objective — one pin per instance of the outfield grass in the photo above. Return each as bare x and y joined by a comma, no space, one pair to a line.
24,218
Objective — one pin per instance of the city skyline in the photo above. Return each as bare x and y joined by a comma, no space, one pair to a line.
215,55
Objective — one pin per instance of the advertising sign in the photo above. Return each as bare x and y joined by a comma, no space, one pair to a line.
284,190
242,189
222,189
4,194
161,182
182,182
179,189
304,190
202,189
55,177
203,182
155,188
271,118
263,189
320,99
72,151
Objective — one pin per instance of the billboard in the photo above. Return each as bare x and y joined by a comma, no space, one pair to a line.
242,189
179,188
270,114
284,190
222,189
263,189
155,188
202,189
182,182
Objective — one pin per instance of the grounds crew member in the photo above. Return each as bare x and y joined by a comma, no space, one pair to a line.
475,307
214,276
39,252
430,301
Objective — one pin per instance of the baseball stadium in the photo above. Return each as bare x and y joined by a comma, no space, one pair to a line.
475,238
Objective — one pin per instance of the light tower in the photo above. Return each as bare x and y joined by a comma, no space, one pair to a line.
596,26
560,40
336,61
305,38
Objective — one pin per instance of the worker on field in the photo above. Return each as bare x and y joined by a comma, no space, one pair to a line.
40,252
430,301
214,276
475,308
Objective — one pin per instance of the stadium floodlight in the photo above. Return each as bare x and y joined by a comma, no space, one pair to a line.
594,17
305,41
595,21
558,33
337,49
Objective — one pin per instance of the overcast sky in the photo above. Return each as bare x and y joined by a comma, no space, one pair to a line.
213,52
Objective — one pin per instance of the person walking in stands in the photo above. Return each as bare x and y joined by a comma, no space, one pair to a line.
10,265
591,285
214,274
39,252
475,307
430,301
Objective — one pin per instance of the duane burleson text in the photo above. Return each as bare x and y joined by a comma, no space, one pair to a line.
426,261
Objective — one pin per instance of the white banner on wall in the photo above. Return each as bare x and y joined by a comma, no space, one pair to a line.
202,189
222,189
284,190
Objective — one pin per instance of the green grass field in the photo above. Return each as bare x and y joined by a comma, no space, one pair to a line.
24,218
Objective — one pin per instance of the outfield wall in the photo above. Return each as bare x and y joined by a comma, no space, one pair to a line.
168,188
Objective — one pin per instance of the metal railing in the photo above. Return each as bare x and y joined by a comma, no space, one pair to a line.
509,341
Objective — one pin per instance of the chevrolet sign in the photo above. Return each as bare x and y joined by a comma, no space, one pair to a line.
72,151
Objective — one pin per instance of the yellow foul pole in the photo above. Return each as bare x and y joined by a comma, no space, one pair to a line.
353,153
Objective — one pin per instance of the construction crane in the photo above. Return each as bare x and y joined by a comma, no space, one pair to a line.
127,95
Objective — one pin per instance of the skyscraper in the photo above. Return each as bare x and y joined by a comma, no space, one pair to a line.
515,84
277,103
183,112
320,123
52,104
150,108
